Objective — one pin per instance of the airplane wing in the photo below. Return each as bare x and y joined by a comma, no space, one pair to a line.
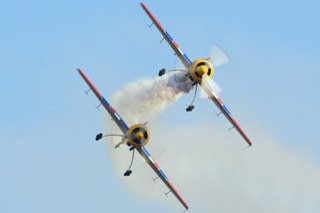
173,44
225,111
145,154
114,115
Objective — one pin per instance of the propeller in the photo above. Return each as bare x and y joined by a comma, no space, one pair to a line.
218,56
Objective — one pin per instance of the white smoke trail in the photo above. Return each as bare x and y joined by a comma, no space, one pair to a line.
209,166
147,97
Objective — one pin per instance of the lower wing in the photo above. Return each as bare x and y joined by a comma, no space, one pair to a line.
225,111
145,154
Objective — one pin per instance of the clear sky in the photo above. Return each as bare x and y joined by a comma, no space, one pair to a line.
48,160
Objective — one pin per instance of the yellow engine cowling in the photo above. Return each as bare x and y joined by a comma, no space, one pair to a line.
138,135
201,70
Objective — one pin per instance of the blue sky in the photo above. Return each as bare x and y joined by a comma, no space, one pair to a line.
48,159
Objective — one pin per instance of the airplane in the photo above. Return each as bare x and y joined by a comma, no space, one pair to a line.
198,72
135,136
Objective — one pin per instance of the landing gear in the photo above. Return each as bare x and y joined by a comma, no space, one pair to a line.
190,108
162,72
99,136
127,173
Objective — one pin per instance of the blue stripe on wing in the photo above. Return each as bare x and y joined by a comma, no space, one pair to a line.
224,106
187,58
145,150
169,36
124,123
105,101
163,174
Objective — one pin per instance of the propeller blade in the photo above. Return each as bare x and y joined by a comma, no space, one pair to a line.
202,94
213,87
218,56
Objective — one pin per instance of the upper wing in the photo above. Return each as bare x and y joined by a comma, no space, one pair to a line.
173,44
225,111
145,154
115,116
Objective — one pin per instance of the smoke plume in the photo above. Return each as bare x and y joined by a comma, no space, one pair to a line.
146,98
208,165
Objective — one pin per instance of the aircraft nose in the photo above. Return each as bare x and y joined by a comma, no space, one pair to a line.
139,135
203,70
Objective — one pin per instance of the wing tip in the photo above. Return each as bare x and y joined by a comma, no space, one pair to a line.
142,4
80,71
249,141
83,75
